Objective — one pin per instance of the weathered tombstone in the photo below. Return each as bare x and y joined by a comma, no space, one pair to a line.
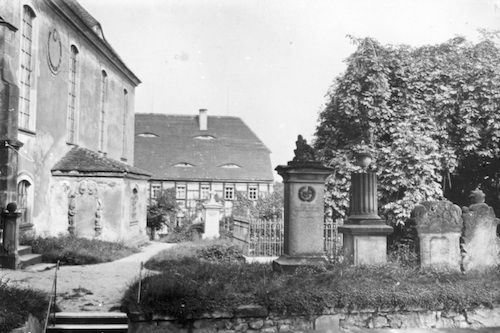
365,233
304,183
211,218
439,227
481,246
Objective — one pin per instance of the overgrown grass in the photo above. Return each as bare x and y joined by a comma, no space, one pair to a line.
189,286
70,250
16,304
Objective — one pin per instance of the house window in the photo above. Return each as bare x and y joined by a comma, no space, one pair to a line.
26,71
155,190
180,192
252,192
102,120
124,124
71,125
23,200
229,192
133,205
204,192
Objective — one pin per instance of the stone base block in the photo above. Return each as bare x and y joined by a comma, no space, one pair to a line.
10,261
365,244
288,264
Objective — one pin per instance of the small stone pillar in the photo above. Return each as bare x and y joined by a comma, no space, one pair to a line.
439,227
304,182
365,233
211,218
9,256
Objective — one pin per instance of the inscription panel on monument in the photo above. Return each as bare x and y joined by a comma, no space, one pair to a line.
308,225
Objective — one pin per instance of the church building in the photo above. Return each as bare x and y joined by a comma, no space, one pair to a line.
67,113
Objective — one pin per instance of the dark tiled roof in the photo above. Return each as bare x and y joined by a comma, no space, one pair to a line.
176,143
87,161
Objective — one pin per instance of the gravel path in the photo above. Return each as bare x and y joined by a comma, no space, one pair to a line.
87,287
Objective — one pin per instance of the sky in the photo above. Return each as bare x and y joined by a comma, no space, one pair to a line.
269,62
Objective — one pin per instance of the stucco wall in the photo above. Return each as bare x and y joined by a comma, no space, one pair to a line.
45,142
111,199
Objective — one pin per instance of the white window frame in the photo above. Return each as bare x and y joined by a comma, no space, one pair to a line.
102,114
228,192
72,121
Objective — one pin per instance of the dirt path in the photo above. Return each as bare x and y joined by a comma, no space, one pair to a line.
89,287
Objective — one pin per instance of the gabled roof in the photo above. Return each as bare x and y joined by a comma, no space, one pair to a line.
172,147
84,161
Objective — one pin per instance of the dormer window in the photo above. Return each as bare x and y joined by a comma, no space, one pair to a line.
230,166
205,137
183,165
147,135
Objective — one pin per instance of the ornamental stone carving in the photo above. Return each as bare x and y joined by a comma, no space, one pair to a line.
437,217
85,210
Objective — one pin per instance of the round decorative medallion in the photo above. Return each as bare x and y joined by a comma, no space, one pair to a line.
307,193
54,53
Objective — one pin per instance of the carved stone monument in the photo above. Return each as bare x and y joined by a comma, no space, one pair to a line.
439,227
481,246
365,233
211,218
304,180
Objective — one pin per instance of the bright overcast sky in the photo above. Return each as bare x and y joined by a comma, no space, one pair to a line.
269,62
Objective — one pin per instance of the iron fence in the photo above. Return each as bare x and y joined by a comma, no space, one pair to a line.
264,238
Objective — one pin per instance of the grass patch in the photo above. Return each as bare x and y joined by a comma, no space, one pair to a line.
190,285
70,250
16,304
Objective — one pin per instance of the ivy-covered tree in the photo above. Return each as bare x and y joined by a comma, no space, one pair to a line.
429,115
267,207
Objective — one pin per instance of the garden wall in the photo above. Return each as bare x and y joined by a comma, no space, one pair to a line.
258,319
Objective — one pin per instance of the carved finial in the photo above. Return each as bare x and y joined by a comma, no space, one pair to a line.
477,196
304,152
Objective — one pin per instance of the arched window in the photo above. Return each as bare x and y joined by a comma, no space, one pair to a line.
102,122
26,70
24,201
72,111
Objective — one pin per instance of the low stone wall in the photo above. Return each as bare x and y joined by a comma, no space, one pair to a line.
258,319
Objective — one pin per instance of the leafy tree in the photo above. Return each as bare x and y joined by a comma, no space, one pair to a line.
162,210
428,114
265,207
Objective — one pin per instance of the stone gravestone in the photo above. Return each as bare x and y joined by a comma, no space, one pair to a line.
211,218
481,246
439,227
85,210
304,180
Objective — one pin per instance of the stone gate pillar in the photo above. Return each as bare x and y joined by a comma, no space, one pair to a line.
304,182
365,233
9,255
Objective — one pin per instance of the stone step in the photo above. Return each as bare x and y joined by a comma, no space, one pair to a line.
24,249
94,328
30,259
91,318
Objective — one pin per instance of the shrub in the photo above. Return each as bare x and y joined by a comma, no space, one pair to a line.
71,250
220,252
185,233
17,304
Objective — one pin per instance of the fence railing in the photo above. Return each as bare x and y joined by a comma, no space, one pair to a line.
264,238
52,301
